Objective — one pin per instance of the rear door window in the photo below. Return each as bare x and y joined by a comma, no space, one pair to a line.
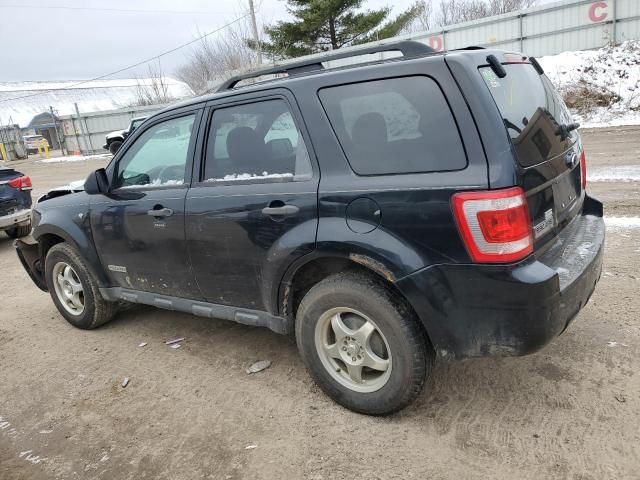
256,143
531,111
392,126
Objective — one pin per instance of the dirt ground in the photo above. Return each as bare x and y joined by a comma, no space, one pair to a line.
571,411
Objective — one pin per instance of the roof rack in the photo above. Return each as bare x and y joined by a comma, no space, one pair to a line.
407,48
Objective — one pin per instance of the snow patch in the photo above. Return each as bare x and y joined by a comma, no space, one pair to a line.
76,158
623,173
157,183
614,68
248,176
91,97
622,223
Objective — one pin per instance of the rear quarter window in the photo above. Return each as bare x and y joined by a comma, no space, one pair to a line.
394,126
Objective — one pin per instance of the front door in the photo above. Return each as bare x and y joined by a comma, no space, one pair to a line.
138,227
253,208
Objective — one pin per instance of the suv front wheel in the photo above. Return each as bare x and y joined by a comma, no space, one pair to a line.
74,289
361,344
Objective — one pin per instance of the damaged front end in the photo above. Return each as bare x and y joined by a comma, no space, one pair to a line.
28,251
72,187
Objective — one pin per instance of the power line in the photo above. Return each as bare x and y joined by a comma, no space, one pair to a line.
118,10
70,87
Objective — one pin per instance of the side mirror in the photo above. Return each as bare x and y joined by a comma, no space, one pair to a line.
97,182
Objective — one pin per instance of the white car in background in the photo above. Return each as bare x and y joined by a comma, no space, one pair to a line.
33,141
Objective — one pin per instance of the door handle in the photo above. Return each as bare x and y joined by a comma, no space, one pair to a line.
281,210
160,212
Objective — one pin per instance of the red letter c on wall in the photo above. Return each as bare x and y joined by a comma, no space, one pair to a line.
594,16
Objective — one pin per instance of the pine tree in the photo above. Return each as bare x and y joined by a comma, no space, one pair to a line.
321,25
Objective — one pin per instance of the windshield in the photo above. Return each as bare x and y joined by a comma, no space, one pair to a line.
532,111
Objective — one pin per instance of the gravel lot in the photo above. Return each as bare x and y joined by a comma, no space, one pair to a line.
571,411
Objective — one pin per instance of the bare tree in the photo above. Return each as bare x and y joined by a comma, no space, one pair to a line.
450,12
154,90
496,7
218,58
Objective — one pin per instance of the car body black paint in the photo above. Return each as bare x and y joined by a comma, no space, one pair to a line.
238,257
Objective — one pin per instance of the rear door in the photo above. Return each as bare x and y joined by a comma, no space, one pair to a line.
252,209
547,156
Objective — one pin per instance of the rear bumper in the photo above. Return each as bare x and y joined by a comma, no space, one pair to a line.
487,310
20,217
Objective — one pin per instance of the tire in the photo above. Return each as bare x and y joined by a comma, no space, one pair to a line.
95,310
356,298
19,231
115,146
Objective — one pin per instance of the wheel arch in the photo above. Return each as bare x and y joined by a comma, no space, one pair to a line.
49,235
300,278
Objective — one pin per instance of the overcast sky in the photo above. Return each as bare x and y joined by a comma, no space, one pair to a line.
40,41
72,44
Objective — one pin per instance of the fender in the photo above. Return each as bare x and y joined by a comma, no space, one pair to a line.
382,253
72,225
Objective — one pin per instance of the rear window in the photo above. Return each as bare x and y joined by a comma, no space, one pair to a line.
531,110
399,125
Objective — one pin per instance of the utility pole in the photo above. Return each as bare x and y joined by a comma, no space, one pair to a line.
55,126
86,143
254,27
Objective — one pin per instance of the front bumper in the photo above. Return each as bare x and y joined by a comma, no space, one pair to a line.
28,251
15,219
498,310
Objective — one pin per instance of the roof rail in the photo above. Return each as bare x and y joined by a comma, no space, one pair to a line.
407,48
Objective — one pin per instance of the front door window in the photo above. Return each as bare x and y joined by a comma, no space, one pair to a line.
158,157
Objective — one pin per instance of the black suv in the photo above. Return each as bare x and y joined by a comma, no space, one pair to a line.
387,213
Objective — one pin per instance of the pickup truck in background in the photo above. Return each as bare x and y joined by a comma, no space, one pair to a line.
114,140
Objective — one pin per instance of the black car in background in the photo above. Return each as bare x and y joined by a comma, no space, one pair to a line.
431,205
15,203
114,140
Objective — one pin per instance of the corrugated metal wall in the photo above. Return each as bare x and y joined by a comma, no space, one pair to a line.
86,134
545,30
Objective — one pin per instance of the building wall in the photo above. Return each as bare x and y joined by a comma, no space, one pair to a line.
546,30
86,134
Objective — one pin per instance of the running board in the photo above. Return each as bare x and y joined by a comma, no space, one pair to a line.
255,318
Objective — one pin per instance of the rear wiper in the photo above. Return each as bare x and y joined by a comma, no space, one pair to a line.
563,131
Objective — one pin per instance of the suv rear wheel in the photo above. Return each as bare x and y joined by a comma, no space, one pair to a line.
362,345
74,289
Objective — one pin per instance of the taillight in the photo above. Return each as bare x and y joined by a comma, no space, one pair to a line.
494,224
583,169
21,183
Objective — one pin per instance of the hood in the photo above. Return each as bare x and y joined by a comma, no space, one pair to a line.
71,187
